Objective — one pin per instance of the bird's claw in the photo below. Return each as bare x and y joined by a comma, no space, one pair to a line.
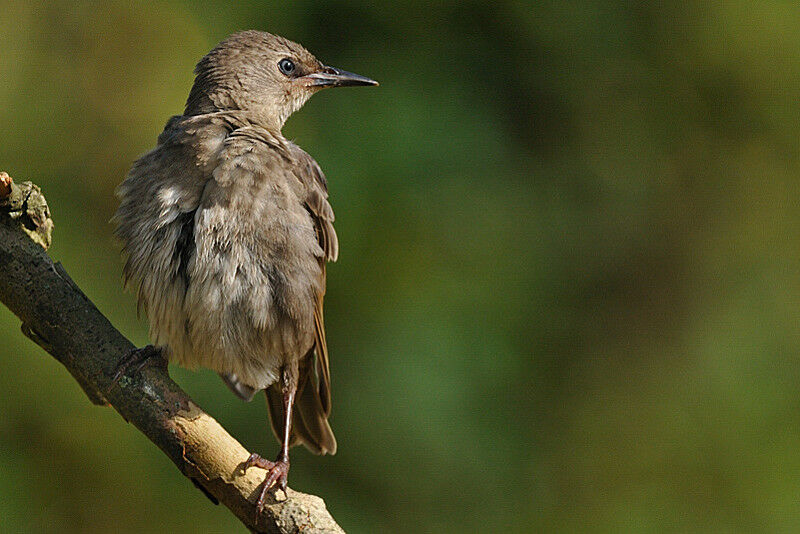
277,476
135,361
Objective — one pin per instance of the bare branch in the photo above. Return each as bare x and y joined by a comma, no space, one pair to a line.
61,319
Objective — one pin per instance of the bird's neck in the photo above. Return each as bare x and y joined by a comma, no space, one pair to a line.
272,124
259,115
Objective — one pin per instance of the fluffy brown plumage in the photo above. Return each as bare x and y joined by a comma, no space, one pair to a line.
227,228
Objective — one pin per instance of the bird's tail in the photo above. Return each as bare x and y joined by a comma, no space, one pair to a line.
309,423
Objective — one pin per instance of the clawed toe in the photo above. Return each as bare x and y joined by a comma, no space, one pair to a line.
256,460
277,476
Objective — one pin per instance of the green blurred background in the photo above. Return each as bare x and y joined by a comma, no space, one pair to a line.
567,297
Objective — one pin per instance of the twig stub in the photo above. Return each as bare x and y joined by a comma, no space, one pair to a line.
5,185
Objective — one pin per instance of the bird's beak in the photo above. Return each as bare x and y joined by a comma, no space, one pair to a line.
333,77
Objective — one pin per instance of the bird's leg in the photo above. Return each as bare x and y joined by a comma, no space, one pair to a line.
135,361
278,471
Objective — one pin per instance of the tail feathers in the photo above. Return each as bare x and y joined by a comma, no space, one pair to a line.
315,420
309,424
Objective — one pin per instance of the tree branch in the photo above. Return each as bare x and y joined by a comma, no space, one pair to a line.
61,319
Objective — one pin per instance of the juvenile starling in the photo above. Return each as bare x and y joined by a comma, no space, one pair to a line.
227,228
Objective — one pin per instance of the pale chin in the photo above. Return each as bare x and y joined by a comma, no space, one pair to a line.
294,101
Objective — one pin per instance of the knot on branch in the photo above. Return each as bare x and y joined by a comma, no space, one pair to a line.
23,205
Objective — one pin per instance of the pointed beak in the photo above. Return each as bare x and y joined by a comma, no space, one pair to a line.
333,77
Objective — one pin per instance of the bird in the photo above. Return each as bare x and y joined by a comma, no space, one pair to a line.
226,228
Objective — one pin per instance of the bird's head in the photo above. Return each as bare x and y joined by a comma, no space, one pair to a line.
268,76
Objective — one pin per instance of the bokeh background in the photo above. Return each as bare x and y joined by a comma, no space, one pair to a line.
567,298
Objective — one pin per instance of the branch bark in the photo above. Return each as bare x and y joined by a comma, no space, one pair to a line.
61,319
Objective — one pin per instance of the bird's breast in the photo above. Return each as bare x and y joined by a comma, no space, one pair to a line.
254,277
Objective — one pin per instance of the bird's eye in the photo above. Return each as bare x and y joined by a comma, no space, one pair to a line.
287,66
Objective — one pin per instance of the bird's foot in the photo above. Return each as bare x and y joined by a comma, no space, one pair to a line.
135,360
277,475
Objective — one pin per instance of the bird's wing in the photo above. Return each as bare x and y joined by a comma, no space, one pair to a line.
316,187
157,203
316,200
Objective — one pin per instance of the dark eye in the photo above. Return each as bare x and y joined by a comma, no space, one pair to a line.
287,66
